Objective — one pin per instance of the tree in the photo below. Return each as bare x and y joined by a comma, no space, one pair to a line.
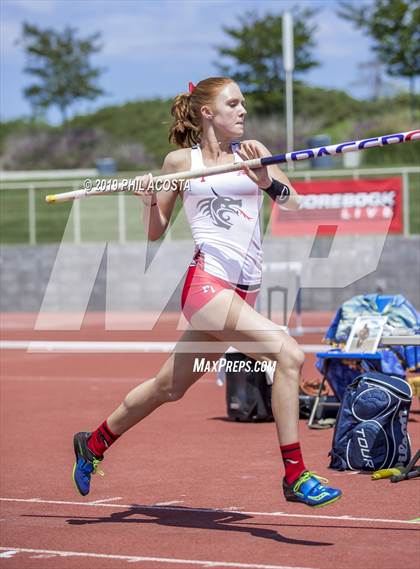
394,26
61,63
257,54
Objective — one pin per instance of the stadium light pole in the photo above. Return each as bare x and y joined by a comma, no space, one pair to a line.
288,65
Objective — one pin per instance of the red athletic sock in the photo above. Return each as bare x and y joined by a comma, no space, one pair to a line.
101,439
293,461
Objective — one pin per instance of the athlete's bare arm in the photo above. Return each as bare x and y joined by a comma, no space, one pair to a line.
157,217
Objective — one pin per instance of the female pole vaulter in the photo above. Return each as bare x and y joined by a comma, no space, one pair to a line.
222,281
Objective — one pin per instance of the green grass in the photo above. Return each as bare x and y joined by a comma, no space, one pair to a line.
99,217
50,221
14,223
414,181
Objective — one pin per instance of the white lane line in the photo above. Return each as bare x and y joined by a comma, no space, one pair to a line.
106,500
137,379
206,510
85,346
8,554
169,503
125,347
61,378
140,559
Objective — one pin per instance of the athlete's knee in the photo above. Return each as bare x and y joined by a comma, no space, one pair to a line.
298,356
291,356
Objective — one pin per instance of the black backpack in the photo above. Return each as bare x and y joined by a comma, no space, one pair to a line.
248,397
371,429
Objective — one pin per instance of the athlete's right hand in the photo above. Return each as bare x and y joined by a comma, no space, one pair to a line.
143,187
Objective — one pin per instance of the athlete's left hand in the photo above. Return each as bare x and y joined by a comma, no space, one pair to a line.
250,151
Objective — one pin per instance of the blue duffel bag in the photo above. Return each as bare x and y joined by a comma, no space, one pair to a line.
371,428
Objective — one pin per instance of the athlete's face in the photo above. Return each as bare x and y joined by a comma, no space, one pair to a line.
228,112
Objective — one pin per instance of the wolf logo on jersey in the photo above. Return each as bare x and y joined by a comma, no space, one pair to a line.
220,209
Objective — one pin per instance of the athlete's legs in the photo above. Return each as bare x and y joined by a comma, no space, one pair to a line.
171,382
229,320
243,327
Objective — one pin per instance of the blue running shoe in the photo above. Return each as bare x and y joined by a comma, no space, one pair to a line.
86,463
309,489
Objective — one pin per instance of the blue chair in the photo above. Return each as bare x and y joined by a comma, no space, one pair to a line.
340,368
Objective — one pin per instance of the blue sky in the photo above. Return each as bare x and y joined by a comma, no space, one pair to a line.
153,48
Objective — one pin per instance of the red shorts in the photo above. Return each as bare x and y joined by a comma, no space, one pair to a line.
200,287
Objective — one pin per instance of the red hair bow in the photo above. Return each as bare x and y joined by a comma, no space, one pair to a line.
191,87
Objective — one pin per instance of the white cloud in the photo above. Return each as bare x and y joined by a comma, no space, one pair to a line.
337,38
152,33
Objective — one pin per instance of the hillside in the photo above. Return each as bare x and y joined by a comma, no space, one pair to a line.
136,133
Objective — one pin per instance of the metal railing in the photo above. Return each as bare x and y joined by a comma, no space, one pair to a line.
65,184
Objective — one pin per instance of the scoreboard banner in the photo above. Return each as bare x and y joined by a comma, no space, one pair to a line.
352,206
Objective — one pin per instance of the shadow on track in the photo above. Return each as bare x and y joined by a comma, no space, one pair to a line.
207,520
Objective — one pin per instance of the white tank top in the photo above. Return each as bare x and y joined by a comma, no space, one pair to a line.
223,212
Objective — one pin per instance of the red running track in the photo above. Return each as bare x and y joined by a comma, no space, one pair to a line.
185,488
